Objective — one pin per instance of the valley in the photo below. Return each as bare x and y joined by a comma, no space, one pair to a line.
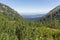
13,26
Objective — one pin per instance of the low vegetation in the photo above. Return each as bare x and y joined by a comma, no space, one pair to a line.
14,27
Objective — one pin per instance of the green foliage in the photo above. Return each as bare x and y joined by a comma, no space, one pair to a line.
18,29
13,27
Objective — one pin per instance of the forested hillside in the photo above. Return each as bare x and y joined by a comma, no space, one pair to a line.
53,14
14,27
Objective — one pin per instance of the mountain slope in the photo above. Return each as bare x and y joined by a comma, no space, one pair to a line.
8,12
52,19
10,23
53,14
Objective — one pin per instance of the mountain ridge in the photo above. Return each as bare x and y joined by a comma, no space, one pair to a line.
9,12
53,14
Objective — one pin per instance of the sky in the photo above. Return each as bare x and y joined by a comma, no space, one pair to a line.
29,7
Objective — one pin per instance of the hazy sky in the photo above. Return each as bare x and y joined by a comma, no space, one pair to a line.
31,6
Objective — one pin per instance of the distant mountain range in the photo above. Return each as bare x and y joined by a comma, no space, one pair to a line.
32,17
